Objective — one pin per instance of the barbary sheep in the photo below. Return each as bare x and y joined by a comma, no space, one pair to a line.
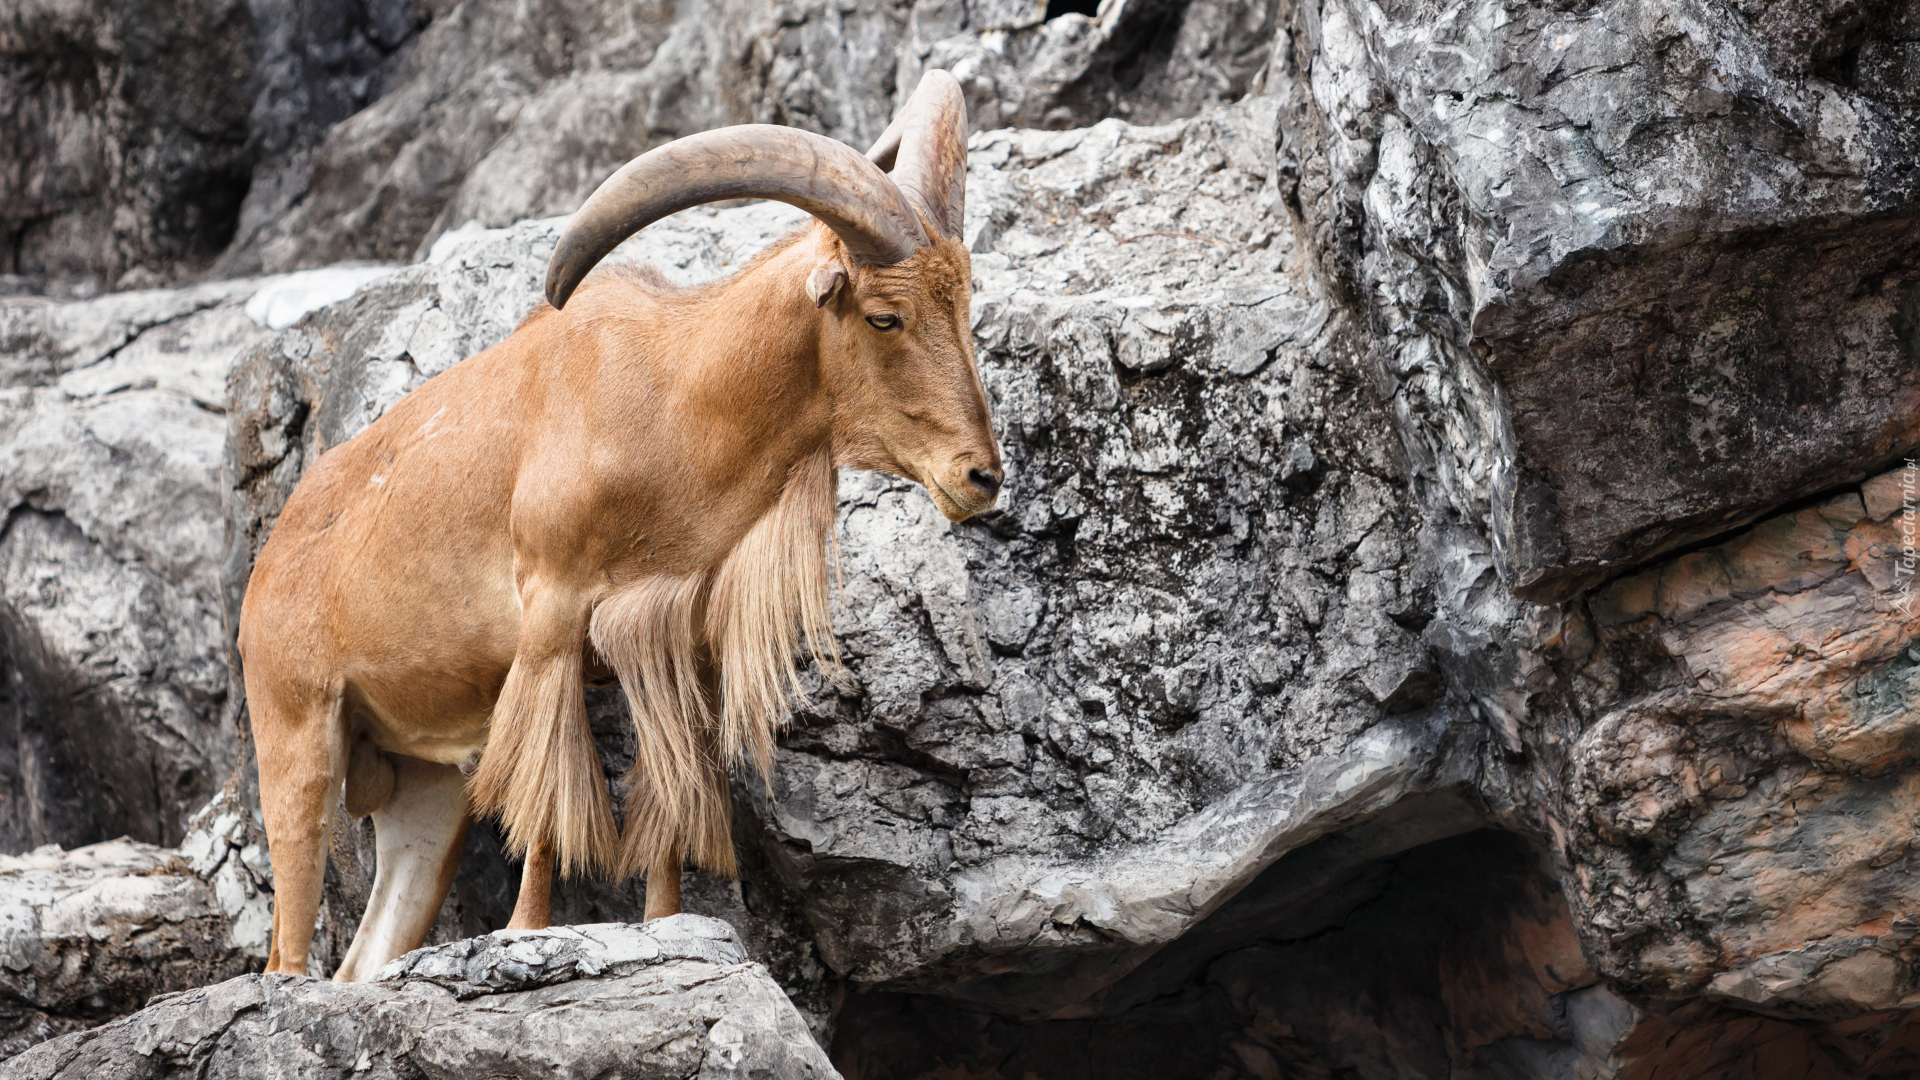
637,483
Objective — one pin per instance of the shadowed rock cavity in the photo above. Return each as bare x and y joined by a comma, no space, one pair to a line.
1458,958
41,801
144,138
126,131
1455,958
74,769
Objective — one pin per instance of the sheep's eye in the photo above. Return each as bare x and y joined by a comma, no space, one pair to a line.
884,322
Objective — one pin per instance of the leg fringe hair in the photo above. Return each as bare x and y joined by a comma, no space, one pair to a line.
707,663
541,773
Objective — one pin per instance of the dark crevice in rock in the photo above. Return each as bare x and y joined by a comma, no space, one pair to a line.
44,795
128,125
1454,959
144,138
1848,486
1057,8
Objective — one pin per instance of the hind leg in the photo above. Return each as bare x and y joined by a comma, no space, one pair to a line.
302,758
417,838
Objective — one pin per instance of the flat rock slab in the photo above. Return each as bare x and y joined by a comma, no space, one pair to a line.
88,935
674,998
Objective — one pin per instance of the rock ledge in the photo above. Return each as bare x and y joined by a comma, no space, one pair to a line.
673,998
510,960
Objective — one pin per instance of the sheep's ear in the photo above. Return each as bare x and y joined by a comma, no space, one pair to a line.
825,280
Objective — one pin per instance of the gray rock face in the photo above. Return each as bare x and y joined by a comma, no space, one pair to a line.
499,112
1148,62
142,135
126,136
90,934
1036,706
1667,237
674,998
1587,241
110,564
278,136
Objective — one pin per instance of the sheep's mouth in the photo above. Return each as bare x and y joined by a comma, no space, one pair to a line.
954,508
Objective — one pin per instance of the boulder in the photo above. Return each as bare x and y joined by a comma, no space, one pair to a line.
90,934
674,998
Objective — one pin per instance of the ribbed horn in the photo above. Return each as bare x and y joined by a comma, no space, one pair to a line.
752,161
926,149
887,146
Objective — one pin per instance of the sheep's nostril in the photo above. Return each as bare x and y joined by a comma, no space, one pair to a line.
986,480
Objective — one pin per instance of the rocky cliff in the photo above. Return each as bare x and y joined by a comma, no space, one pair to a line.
1450,613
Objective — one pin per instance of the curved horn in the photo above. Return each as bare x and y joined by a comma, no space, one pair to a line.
887,146
926,149
752,161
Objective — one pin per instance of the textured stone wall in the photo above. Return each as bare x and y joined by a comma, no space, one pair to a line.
110,561
1681,258
153,143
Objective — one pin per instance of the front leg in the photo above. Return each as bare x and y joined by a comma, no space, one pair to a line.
534,909
663,886
540,771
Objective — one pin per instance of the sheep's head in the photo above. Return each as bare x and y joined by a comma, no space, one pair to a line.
898,349
889,275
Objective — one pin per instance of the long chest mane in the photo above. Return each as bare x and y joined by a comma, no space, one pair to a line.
708,659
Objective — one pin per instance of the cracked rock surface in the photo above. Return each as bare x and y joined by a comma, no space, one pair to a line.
674,998
496,111
111,431
1679,238
90,934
